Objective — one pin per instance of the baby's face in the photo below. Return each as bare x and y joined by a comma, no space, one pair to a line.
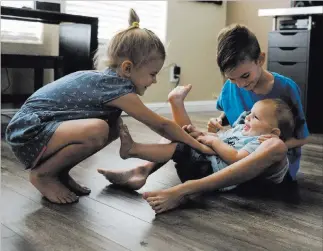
261,120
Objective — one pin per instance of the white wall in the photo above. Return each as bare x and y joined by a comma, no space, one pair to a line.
192,30
246,12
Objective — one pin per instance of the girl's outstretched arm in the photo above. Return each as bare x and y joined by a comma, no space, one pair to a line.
133,106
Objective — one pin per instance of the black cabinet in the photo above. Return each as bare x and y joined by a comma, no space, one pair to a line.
78,42
298,54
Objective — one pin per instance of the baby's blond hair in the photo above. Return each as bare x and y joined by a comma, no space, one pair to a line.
138,45
284,115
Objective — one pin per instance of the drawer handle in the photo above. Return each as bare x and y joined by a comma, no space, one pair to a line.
287,63
288,34
288,48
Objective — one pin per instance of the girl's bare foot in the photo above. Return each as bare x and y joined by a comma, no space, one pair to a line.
52,188
127,142
164,200
179,93
133,179
70,183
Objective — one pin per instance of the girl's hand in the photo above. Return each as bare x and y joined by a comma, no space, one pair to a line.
214,125
207,139
206,150
265,137
192,130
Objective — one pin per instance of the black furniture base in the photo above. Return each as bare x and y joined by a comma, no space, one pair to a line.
38,63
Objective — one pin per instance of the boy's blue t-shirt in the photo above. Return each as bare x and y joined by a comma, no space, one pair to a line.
234,100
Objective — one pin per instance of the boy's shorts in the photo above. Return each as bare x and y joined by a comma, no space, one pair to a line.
192,165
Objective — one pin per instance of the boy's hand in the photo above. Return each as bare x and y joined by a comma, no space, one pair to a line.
207,139
214,125
265,137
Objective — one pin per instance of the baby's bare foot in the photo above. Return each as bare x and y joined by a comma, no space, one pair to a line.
133,179
179,93
69,182
52,189
127,142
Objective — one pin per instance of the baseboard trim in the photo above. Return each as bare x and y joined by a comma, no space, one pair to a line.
9,111
190,106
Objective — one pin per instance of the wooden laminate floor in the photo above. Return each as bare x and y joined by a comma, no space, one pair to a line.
112,219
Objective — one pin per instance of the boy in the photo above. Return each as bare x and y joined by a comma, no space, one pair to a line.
240,60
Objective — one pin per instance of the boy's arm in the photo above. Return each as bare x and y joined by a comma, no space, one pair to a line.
267,154
293,142
270,153
301,131
290,143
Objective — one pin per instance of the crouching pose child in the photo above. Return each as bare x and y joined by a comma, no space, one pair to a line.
72,118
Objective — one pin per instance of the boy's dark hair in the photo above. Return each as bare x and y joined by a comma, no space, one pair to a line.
236,43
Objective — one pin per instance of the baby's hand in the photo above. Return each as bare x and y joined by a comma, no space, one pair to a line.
207,139
265,137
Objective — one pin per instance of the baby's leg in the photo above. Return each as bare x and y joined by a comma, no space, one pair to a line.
176,99
152,152
72,142
136,178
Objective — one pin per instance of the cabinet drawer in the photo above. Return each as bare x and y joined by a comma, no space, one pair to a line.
288,39
287,54
296,71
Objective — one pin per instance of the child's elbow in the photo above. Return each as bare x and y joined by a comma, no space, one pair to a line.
275,147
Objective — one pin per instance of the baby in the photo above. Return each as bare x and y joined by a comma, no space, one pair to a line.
269,116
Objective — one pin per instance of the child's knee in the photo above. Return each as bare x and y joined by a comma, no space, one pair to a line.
97,131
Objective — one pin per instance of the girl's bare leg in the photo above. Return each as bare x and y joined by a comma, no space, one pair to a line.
72,142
